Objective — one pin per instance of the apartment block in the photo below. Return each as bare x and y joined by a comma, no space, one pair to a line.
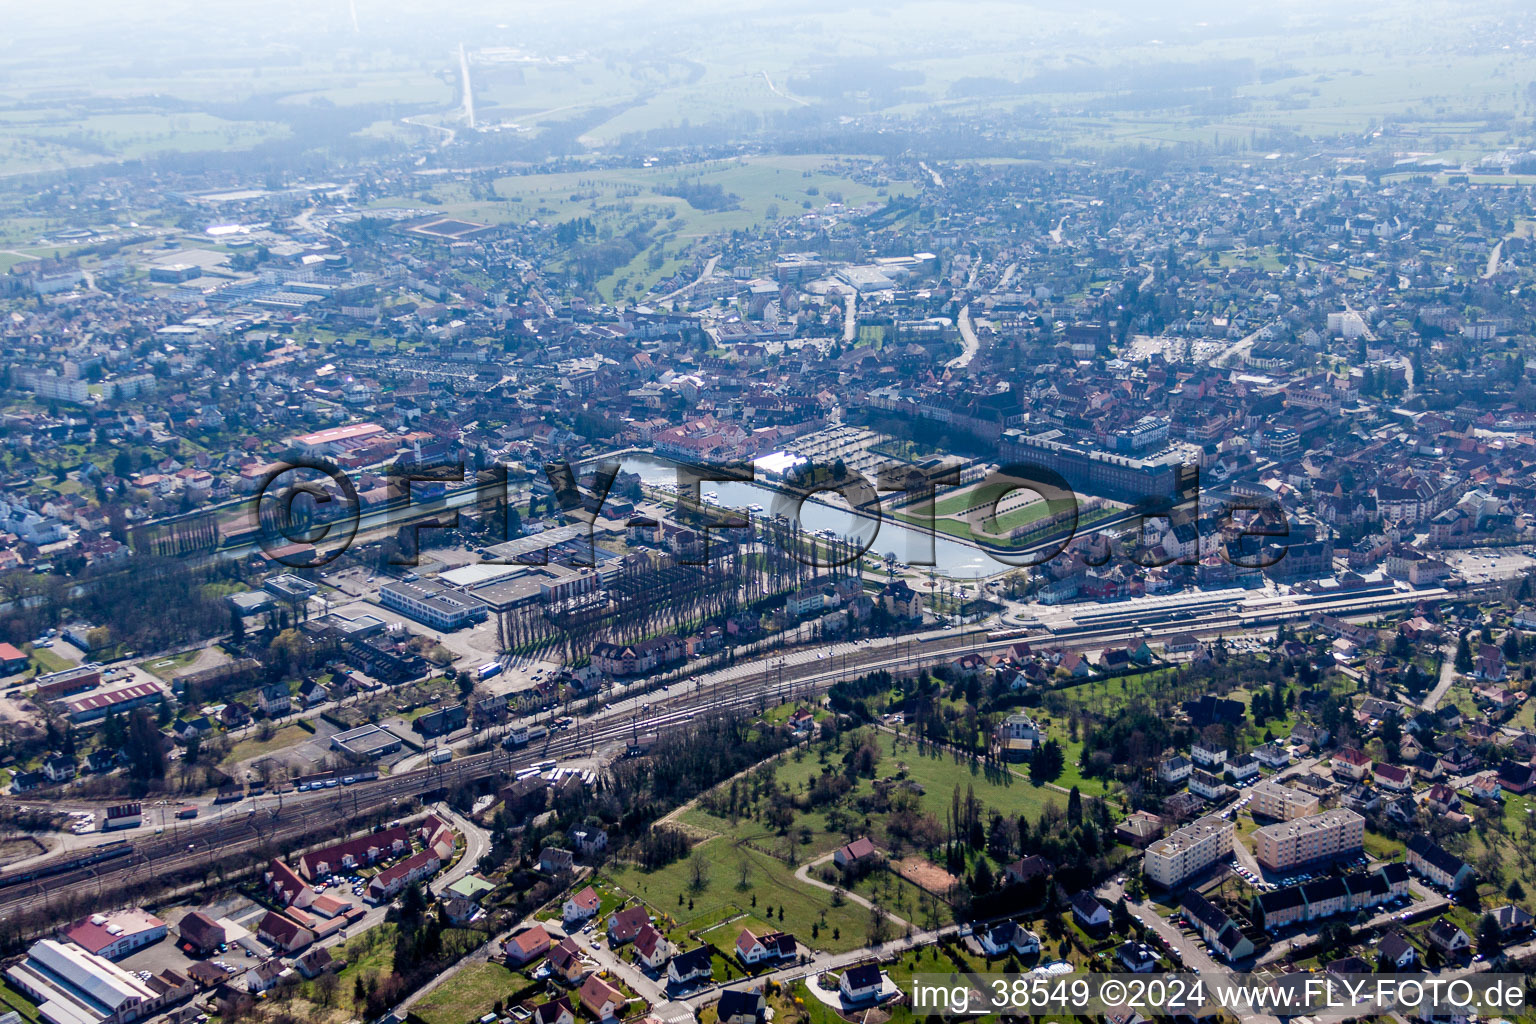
1282,803
1187,851
1327,836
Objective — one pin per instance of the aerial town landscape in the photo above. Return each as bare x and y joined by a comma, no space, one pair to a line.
613,514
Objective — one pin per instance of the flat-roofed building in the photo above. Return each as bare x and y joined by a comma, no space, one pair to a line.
1319,837
1282,803
1186,851
367,740
433,604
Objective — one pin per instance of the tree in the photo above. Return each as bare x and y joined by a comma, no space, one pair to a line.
1047,764
1463,655
325,988
982,881
143,747
1120,917
1074,807
879,926
698,872
1489,938
1512,644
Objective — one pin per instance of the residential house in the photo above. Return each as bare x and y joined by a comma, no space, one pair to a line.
691,967
769,948
624,925
527,945
858,852
652,948
602,1000
581,906
1396,952
737,1007
553,860
861,984
1514,922
1428,860
555,1011
283,933
565,963
1089,912
1391,777
275,700
1450,940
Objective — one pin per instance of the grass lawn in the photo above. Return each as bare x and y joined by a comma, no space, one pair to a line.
668,890
1382,847
12,999
287,736
166,668
47,661
372,952
939,772
468,994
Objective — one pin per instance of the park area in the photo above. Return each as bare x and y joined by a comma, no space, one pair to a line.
755,832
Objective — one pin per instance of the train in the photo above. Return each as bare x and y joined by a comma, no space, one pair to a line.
104,852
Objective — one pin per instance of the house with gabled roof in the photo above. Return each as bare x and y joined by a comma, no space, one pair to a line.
690,968
861,984
625,924
652,948
581,906
854,853
527,945
602,1000
565,961
754,949
1428,860
554,1011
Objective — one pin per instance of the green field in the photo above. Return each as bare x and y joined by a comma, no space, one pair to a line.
719,898
621,198
166,668
46,660
12,999
287,736
468,994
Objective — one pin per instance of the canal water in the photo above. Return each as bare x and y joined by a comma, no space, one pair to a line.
828,511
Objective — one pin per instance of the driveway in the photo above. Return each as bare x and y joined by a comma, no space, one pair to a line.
803,873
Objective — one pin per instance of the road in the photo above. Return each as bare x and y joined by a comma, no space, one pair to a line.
289,819
781,94
1493,260
968,337
709,268
477,843
1447,677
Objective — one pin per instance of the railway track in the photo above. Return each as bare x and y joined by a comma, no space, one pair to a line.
299,818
